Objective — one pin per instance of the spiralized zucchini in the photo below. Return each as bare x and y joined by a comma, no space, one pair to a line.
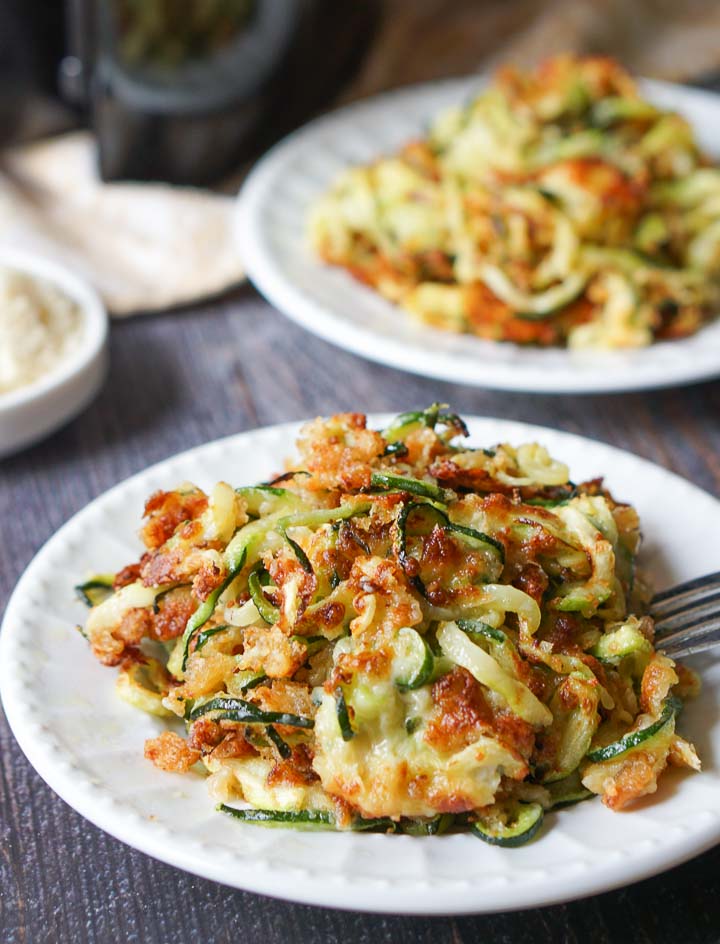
409,634
555,208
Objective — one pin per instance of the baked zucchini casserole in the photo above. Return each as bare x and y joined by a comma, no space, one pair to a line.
558,207
400,633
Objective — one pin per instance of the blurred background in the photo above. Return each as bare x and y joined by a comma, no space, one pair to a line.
187,90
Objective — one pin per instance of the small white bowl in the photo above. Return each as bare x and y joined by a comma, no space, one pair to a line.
29,413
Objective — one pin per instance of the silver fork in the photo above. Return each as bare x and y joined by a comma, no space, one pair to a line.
687,617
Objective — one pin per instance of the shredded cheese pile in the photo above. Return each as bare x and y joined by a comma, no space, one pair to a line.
39,328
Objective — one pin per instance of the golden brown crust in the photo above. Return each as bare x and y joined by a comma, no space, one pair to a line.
460,711
296,770
165,511
174,610
170,752
127,575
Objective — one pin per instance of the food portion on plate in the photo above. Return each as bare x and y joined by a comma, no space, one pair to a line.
558,207
400,633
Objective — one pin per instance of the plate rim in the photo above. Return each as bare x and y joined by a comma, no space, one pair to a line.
267,274
125,824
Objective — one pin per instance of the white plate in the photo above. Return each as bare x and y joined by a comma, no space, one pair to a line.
271,218
88,745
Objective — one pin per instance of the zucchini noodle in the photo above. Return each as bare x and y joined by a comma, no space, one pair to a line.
557,207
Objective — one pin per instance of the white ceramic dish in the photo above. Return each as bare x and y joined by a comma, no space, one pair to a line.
29,413
271,220
88,745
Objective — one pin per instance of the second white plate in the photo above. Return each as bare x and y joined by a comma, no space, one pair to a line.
88,745
271,219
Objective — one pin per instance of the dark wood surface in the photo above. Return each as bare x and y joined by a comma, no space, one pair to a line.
180,379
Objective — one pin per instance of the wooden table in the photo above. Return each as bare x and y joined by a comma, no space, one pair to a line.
180,379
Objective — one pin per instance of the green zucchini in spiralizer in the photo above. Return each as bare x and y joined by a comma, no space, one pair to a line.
477,629
574,706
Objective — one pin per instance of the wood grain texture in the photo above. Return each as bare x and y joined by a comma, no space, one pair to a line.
183,378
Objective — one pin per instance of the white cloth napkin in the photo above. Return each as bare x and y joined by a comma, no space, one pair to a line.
144,246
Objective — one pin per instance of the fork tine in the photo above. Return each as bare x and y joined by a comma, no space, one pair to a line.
687,615
690,644
684,595
696,638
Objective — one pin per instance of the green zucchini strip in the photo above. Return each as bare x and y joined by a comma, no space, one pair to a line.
634,738
435,826
236,709
435,414
248,680
414,658
283,748
404,483
312,644
475,627
203,613
522,825
318,819
378,824
397,448
206,634
95,590
271,498
302,557
343,716
270,613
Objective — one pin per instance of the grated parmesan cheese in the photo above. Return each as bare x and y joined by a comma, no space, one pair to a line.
39,328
